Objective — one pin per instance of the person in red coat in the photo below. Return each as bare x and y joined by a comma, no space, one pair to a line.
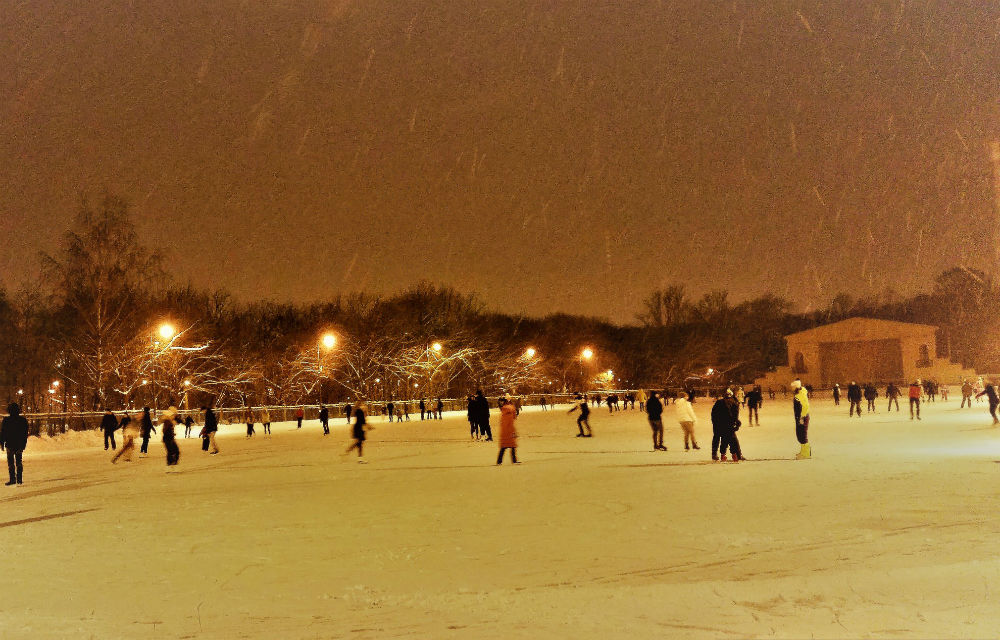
508,432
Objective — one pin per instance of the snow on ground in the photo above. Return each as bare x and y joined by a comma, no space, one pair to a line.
889,532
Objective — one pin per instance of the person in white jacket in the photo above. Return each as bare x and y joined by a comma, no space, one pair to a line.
685,415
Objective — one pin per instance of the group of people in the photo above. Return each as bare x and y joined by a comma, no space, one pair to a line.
478,414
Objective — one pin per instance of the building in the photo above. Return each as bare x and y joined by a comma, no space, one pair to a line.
864,350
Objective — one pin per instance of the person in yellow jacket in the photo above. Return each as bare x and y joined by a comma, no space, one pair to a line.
641,398
800,404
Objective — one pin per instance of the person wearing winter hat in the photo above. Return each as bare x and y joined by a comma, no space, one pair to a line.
800,405
14,439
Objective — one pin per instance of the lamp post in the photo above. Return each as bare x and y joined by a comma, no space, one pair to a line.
585,356
166,332
328,341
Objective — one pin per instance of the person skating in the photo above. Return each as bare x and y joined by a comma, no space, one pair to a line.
854,397
654,411
685,416
300,413
483,415
423,409
754,401
358,431
892,392
440,409
800,407
324,419
188,423
13,440
915,391
109,423
741,395
210,429
991,394
642,397
347,412
545,406
146,429
390,410
167,422
508,431
471,416
583,419
725,423
871,395
265,419
248,417
836,395
944,392
966,394
129,433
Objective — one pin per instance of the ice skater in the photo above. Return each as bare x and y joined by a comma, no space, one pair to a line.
871,395
358,432
324,419
800,407
854,397
836,395
583,419
754,401
188,423
13,440
146,429
347,412
508,431
991,394
209,430
265,419
966,394
483,416
654,411
915,391
109,424
725,423
300,413
892,392
471,416
249,418
685,416
167,423
129,433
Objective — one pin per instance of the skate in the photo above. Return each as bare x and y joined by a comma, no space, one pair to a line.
804,453
11,483
694,446
723,458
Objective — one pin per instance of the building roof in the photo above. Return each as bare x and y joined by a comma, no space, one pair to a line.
867,326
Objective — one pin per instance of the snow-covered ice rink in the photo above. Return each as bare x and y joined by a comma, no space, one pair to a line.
890,531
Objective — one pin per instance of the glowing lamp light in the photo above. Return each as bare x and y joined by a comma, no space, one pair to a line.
415,385
167,331
187,383
20,392
145,381
711,371
436,346
329,340
530,352
378,380
55,383
588,353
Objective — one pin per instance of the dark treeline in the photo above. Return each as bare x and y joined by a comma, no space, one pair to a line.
105,322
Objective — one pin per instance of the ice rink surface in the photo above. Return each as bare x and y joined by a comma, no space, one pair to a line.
890,531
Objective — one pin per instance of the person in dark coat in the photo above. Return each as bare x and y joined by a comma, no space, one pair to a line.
324,419
725,423
854,397
390,409
836,395
109,423
892,392
145,430
168,421
471,415
991,394
754,401
483,415
654,410
440,408
871,395
188,423
14,439
423,409
347,412
209,430
358,432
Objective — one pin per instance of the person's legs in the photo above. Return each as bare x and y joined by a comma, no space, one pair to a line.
11,463
500,455
211,440
993,411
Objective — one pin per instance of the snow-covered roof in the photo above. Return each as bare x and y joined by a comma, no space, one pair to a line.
866,326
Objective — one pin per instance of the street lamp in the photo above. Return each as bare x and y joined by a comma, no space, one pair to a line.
587,353
329,340
167,331
530,352
436,346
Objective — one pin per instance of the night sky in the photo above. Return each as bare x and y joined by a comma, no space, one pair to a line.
550,156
